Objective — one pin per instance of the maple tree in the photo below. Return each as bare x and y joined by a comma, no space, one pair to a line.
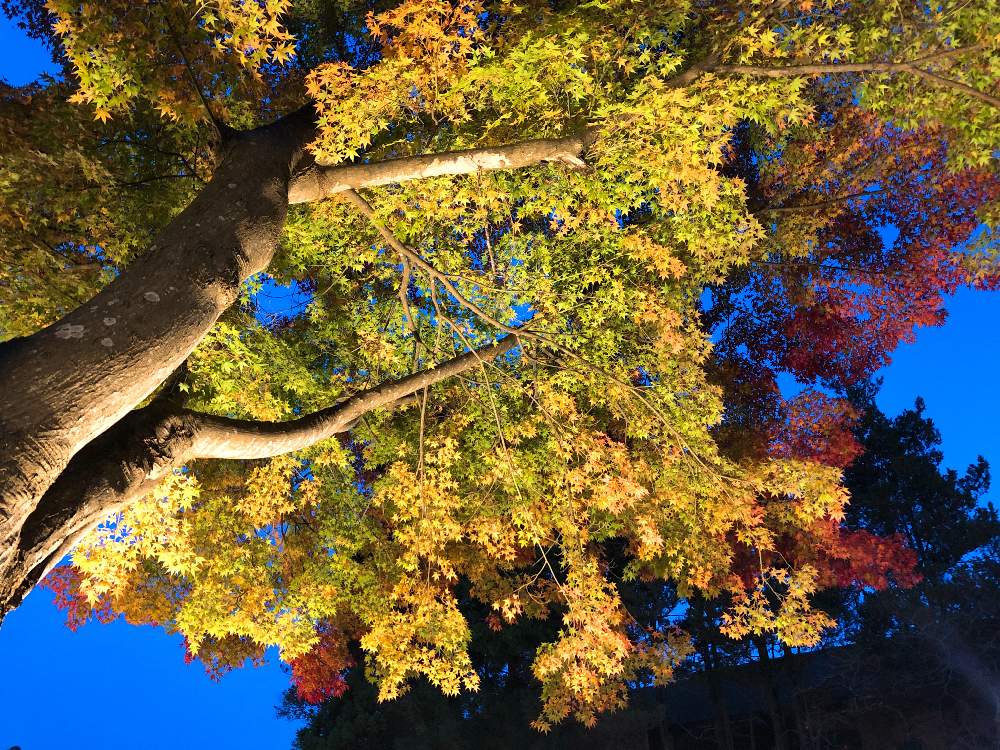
555,259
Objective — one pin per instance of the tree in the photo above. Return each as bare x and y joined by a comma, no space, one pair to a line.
900,489
505,216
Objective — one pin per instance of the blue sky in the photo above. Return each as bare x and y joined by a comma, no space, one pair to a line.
23,58
119,687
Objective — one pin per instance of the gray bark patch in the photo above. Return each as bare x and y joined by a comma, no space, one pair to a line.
70,331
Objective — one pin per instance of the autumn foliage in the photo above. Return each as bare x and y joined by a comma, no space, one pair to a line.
318,674
734,210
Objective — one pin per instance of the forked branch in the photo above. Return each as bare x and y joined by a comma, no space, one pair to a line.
126,463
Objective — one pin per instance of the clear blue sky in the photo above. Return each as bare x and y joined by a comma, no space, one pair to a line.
118,687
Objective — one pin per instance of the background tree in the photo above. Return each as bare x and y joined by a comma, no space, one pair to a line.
504,326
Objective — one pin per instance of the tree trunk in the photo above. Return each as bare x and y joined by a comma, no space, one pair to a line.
68,384
770,695
723,727
120,466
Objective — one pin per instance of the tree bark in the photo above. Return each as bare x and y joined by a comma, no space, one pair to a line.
770,694
318,181
720,710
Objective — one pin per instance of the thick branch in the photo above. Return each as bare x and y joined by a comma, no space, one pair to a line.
126,463
218,437
319,181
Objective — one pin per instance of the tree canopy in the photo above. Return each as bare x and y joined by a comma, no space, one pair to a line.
553,257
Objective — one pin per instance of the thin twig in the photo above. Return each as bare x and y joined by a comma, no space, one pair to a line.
908,66
407,253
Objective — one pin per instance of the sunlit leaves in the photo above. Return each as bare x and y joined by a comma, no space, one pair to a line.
632,416
779,604
162,51
924,32
426,48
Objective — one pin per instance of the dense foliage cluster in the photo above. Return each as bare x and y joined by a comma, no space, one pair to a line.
904,664
763,188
